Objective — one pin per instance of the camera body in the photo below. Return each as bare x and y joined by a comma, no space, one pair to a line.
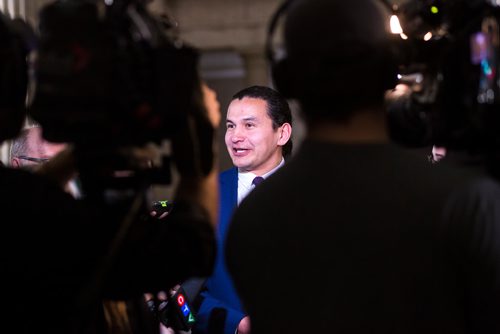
110,73
110,76
452,47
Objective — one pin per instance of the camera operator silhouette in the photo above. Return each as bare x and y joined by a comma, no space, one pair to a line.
357,234
63,258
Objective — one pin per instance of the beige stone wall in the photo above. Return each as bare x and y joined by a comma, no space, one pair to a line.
208,24
211,25
26,9
238,25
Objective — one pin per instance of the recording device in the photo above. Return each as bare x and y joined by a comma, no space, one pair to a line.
161,207
449,61
110,75
113,79
174,312
446,57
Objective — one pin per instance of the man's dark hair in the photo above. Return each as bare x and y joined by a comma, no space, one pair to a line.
277,108
338,57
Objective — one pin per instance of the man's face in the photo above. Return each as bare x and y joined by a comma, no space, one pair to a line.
252,143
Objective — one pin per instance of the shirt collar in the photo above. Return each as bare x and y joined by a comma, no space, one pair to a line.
249,176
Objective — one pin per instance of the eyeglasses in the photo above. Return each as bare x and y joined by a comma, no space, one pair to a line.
37,160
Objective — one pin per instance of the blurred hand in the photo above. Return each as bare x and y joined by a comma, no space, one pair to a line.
399,91
244,326
154,214
61,168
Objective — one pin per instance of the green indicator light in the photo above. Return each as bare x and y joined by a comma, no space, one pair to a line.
434,10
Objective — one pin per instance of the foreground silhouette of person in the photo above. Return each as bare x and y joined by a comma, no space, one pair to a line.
356,234
62,257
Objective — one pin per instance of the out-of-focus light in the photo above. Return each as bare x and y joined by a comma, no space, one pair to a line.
412,78
108,2
428,36
395,25
485,65
434,10
403,36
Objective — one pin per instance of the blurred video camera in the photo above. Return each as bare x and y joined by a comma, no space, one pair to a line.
109,75
449,61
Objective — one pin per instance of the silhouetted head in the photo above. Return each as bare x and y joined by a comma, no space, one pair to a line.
338,56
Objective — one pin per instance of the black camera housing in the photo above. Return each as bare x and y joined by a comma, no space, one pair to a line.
111,74
456,103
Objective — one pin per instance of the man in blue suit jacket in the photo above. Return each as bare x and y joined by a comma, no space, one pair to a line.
258,138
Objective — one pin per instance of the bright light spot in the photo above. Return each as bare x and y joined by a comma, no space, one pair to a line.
486,68
428,36
395,25
434,10
108,2
403,36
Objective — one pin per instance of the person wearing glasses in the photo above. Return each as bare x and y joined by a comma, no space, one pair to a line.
30,149
90,251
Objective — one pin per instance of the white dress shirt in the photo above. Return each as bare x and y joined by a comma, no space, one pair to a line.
245,181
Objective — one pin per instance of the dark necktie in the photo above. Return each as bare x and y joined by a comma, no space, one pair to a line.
257,180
